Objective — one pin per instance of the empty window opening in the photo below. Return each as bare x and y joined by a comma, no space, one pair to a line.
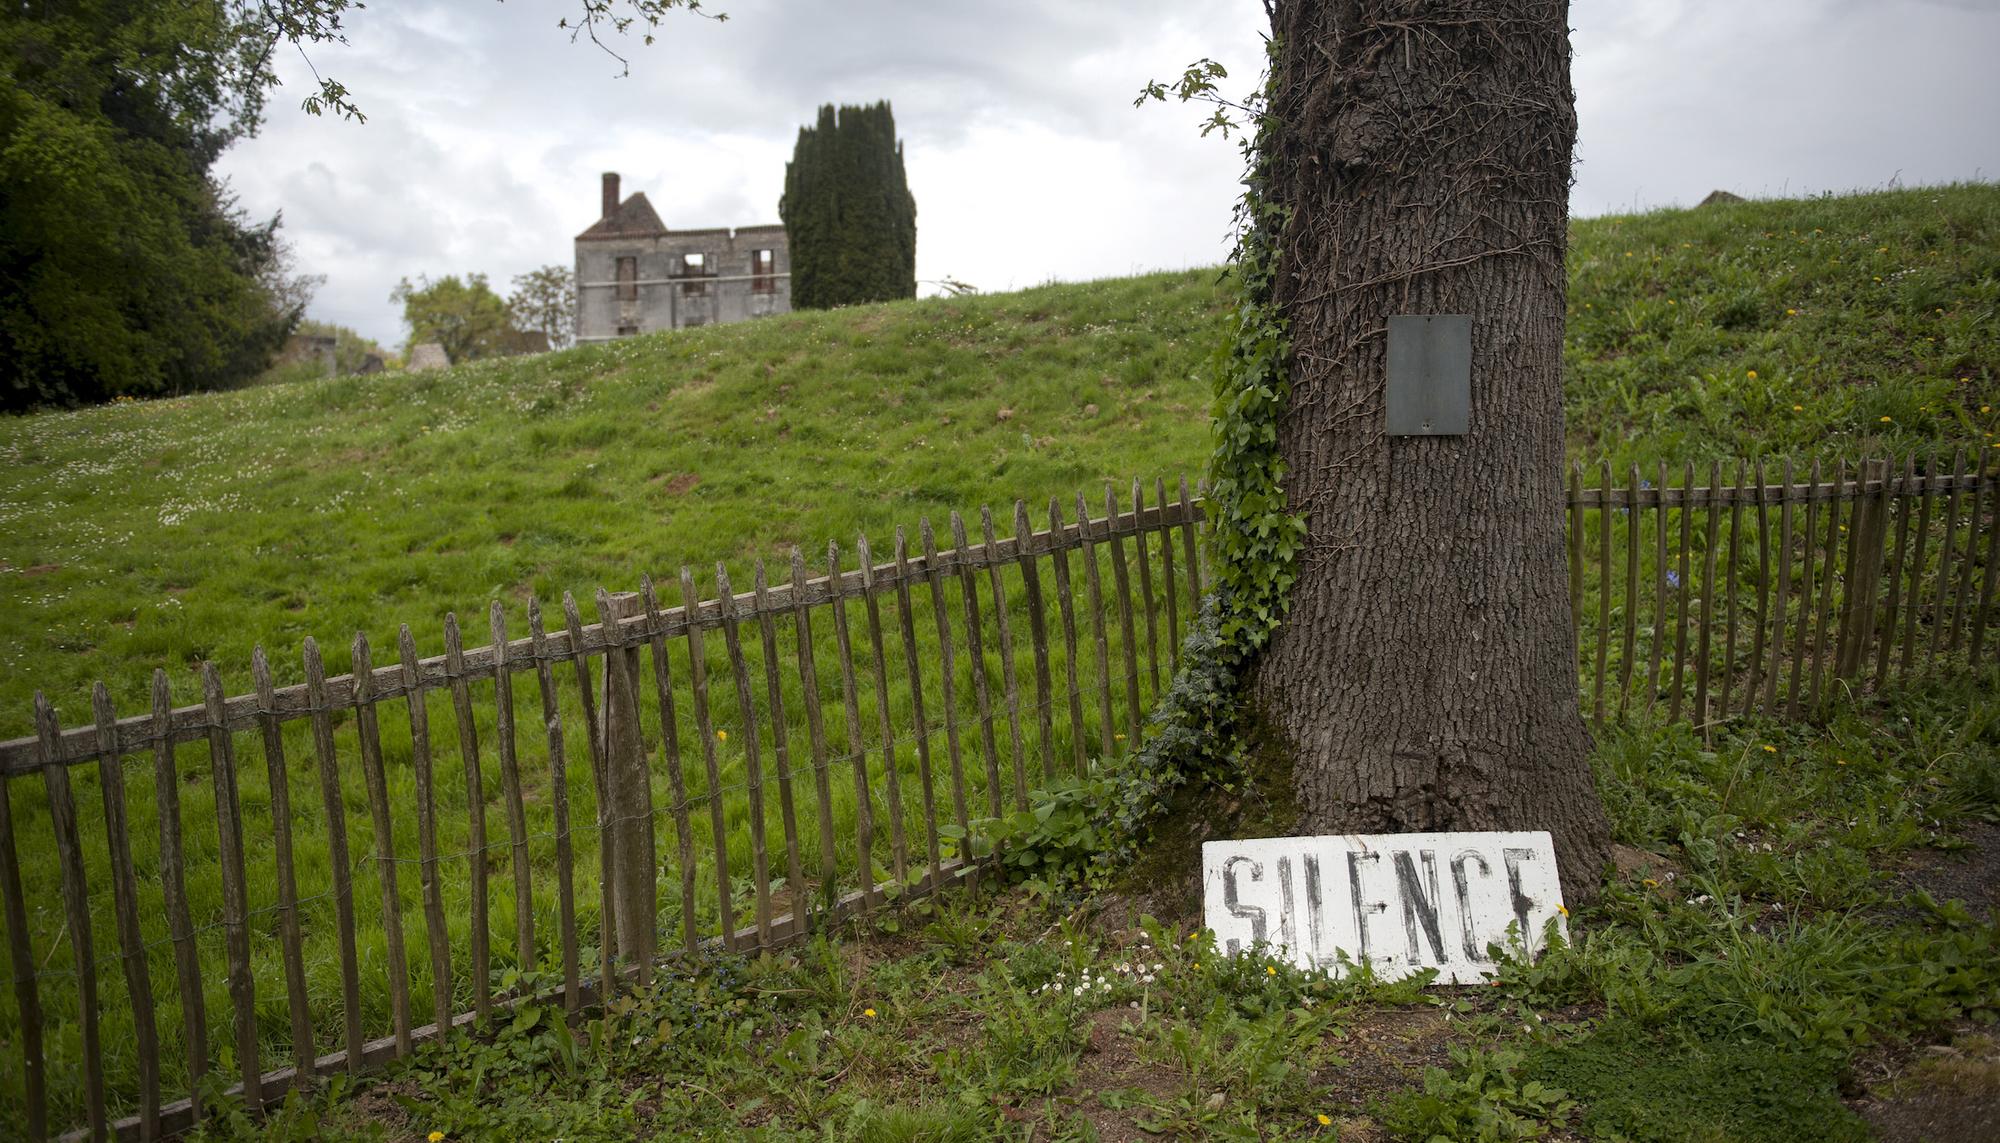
694,266
763,271
628,279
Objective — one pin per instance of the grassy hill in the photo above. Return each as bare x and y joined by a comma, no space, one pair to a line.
1824,327
161,533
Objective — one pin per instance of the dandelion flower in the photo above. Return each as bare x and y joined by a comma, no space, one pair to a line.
1752,374
1325,1120
1791,313
1563,909
1985,408
1270,970
435,1137
1118,737
1770,749
722,735
1798,408
1886,420
868,1012
1650,883
1670,301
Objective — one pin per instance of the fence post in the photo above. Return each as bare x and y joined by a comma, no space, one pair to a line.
628,789
1864,571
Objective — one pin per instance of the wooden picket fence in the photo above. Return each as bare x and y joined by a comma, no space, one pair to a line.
1703,601
1713,600
638,684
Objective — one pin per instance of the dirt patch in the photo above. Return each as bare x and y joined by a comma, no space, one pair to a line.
677,483
376,1106
1971,874
1631,861
39,570
1939,1093
1386,1052
1111,1063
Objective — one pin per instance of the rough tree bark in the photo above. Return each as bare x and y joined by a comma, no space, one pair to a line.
1425,677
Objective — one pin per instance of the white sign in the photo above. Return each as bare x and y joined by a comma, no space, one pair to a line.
1400,902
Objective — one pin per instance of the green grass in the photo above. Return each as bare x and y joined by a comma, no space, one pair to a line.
1728,1001
1835,327
161,534
484,484
168,532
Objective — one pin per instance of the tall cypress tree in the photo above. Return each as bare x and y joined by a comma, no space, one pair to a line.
848,212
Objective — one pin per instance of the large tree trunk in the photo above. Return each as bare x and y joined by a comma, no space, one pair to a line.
1426,675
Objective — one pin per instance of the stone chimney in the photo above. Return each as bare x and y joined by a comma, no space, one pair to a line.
610,193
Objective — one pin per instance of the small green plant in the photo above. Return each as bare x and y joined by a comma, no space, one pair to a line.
1031,1041
1480,1099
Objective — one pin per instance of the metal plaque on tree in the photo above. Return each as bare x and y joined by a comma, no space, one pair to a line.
1399,902
1430,375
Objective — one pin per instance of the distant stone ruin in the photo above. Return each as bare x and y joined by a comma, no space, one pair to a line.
634,276
429,355
1719,196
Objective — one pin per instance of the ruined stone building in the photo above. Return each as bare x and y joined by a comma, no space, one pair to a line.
633,275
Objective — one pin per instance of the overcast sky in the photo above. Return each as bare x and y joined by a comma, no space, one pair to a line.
487,129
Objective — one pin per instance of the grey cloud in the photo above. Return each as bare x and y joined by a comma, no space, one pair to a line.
488,129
